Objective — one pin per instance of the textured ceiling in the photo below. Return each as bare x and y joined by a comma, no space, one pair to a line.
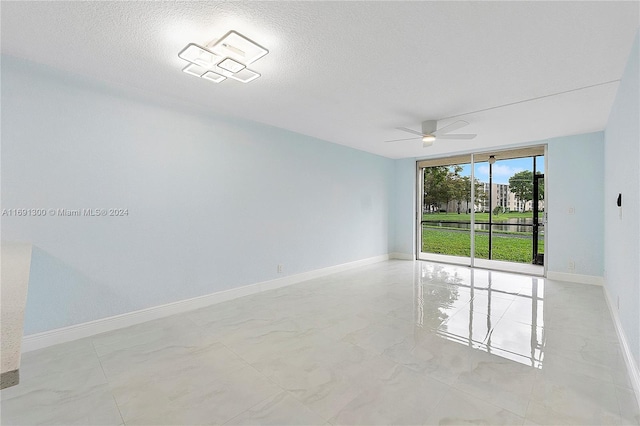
350,72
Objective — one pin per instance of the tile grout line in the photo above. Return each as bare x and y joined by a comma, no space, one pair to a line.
530,400
108,383
288,392
531,403
487,402
257,371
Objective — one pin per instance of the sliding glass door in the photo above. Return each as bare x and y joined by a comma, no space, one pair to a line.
485,210
446,210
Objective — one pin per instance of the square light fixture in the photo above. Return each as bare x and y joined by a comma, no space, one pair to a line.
198,55
194,69
213,76
238,47
245,76
230,65
221,71
227,57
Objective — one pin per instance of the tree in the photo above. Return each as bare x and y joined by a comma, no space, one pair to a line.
541,189
459,188
452,189
435,186
480,194
521,184
462,190
441,185
466,192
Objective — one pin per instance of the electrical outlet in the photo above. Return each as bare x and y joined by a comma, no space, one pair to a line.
280,268
572,210
572,265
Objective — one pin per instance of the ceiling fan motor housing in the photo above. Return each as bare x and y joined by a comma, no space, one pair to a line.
429,126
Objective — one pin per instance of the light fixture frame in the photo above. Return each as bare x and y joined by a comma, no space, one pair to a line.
214,73
229,50
219,65
255,75
209,64
192,65
233,47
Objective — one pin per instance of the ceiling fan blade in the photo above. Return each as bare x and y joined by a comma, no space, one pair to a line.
458,136
450,128
405,139
415,132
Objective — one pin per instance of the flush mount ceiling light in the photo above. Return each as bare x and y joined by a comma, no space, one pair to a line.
230,65
198,55
194,69
245,76
224,58
239,47
213,76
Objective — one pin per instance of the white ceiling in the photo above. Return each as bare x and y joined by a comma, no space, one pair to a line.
350,72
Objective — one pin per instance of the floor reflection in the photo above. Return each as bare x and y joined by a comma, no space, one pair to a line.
498,313
394,342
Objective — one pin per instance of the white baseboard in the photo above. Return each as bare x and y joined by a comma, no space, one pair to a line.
517,268
632,367
79,331
575,278
402,256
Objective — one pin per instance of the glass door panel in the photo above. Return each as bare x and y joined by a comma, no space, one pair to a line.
512,218
482,207
446,213
491,216
508,227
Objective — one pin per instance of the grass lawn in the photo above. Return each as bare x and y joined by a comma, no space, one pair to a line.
480,217
456,243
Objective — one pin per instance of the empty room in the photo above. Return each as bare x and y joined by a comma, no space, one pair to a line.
320,213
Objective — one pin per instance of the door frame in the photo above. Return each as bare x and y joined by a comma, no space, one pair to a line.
472,261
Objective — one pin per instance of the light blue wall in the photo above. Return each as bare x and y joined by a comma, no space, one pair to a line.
403,208
622,175
77,297
212,203
575,179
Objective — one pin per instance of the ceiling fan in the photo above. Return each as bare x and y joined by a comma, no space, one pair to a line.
430,132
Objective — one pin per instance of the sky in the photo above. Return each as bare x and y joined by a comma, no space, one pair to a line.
503,169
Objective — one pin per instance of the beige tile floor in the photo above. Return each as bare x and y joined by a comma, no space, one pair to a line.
397,342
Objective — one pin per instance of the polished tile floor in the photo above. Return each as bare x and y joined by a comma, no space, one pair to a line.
398,342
